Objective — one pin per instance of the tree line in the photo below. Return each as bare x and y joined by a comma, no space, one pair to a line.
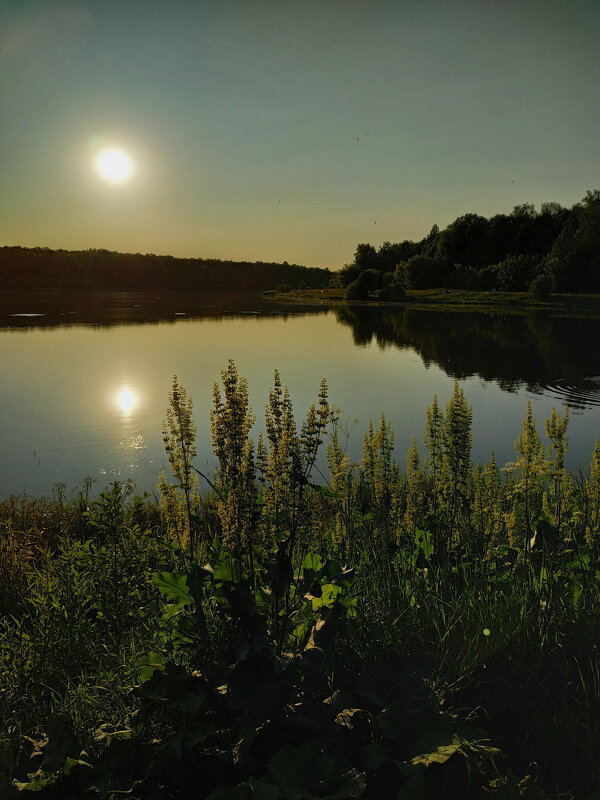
24,268
553,249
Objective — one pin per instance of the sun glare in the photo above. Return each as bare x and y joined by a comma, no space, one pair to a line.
114,165
126,400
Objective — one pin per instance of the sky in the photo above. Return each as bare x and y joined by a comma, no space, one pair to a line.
288,129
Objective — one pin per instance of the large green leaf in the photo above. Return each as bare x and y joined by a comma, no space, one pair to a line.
263,790
313,561
325,491
121,766
240,792
395,724
223,567
176,686
300,768
174,586
39,781
350,784
148,664
424,542
418,786
329,593
169,754
259,685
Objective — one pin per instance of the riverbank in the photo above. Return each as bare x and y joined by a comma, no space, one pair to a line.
456,299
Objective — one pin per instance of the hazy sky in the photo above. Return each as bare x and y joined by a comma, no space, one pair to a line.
289,130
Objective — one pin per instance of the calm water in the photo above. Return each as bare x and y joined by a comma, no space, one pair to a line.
84,385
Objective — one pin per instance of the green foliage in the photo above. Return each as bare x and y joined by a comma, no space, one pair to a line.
515,273
357,290
235,480
258,724
530,467
392,293
526,250
92,270
457,449
541,286
421,271
179,502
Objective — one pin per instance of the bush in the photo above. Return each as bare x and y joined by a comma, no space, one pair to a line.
541,286
392,293
420,272
514,273
283,288
357,290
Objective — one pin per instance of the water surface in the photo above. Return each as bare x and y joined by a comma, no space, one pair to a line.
85,382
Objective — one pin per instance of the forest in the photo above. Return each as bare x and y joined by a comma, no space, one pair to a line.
298,625
29,269
554,249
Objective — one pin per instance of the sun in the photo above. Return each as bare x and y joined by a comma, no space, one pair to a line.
114,165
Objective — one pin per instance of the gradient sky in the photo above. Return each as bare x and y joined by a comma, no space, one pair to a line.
290,129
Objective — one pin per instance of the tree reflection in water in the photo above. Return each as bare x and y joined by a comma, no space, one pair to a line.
556,355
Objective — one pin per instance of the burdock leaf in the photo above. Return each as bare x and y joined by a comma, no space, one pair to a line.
173,586
300,767
350,784
243,791
148,664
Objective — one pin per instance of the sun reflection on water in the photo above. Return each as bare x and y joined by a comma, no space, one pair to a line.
127,401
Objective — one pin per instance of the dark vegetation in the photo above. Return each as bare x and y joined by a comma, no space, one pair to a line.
372,633
27,269
554,249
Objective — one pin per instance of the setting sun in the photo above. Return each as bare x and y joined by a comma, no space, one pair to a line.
114,165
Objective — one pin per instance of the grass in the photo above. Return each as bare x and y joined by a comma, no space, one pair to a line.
458,299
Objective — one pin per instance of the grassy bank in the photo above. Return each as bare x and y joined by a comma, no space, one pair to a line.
418,631
454,298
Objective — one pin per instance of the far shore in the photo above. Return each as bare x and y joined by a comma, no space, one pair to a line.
46,307
453,299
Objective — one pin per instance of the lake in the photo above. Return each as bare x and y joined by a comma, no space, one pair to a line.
85,379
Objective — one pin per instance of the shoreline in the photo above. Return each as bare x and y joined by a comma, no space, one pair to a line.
451,300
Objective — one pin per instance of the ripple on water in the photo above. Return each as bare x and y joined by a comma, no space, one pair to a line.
577,394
